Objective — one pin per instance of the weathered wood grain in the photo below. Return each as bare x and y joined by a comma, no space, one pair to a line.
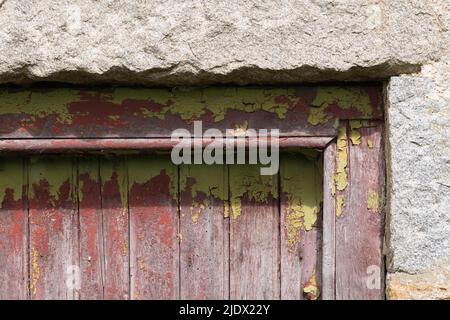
300,207
53,228
154,259
254,234
114,194
13,230
147,112
91,229
359,230
204,230
329,224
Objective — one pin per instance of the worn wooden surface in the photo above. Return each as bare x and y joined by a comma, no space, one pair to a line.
53,228
300,242
145,112
13,230
359,230
91,235
137,227
114,183
154,249
147,145
329,224
254,235
204,232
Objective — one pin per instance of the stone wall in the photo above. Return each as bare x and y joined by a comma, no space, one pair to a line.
166,42
157,42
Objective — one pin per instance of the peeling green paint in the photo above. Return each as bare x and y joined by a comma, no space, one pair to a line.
302,187
192,103
107,169
56,171
188,104
11,173
89,167
208,181
245,180
346,98
39,104
143,169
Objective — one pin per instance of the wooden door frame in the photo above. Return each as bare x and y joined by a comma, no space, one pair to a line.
334,129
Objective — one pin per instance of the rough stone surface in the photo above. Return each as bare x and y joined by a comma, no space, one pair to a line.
167,42
430,285
418,119
418,144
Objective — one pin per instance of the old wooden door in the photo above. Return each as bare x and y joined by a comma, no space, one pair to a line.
133,226
140,227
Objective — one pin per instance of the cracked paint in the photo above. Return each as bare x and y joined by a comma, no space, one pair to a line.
340,177
246,180
39,104
301,185
351,98
55,181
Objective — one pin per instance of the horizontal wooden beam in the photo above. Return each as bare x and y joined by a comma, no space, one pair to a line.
114,145
296,111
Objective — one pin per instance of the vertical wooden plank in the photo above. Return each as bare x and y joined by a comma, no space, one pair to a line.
300,204
359,235
204,223
154,260
13,230
329,224
53,228
113,175
91,233
254,234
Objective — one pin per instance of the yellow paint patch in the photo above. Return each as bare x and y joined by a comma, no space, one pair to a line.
192,103
246,180
340,204
374,202
240,129
302,186
370,143
345,98
36,272
39,104
317,116
311,290
354,135
340,177
209,182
